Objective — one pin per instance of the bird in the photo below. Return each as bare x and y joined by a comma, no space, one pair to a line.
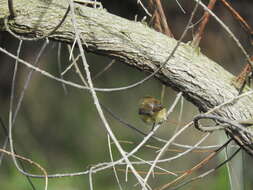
151,111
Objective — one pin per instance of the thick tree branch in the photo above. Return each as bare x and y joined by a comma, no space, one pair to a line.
202,81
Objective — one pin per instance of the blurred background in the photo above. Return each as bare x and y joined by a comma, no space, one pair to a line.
62,130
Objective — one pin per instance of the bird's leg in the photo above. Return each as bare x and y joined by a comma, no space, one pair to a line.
153,127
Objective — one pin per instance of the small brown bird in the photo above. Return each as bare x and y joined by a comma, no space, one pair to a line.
151,111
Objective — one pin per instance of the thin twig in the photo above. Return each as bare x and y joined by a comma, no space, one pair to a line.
95,98
144,8
199,165
182,129
159,20
112,160
31,162
238,17
104,69
12,95
221,120
207,172
12,117
59,67
90,178
28,79
199,34
227,29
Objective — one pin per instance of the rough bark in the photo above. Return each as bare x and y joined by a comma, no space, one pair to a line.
204,82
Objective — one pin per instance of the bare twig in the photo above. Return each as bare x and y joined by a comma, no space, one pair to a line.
199,34
12,117
182,129
206,173
199,165
159,20
104,69
144,8
114,169
221,120
31,162
96,101
238,17
226,28
59,67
